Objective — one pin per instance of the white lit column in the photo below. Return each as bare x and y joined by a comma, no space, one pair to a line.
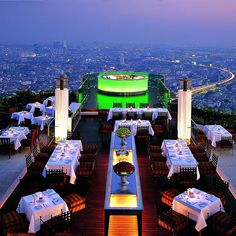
184,112
61,109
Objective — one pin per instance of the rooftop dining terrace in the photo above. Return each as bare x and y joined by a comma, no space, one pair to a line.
165,196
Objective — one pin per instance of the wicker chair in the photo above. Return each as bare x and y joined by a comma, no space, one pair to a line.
88,157
222,223
40,156
56,178
74,202
159,168
143,133
91,148
154,149
220,189
171,220
156,157
208,167
187,176
34,168
12,222
59,223
167,196
85,169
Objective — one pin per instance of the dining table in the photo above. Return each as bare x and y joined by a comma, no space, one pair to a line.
42,121
134,124
65,156
41,205
31,107
178,155
155,112
216,133
21,115
16,134
197,205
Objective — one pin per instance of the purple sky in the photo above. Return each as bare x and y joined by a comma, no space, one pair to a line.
140,21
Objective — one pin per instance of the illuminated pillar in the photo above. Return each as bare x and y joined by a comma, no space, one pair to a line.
184,110
61,108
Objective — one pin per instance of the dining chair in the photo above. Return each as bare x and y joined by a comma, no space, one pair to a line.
187,176
49,103
7,145
220,189
56,178
131,115
147,115
208,167
57,224
74,202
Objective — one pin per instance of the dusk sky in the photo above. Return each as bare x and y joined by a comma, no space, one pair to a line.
137,21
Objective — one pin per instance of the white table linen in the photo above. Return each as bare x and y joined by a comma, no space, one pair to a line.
33,208
52,99
31,107
140,111
16,134
134,125
178,155
197,207
42,121
21,115
74,106
66,155
216,133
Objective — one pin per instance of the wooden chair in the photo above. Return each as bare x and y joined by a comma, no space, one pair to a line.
222,223
208,167
117,105
167,196
40,156
74,202
143,134
201,157
130,104
7,145
147,115
59,223
159,168
131,115
187,176
34,168
171,220
220,189
56,178
49,103
13,222
116,115
143,105
37,112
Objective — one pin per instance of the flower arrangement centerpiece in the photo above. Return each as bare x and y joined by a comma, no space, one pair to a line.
124,169
123,132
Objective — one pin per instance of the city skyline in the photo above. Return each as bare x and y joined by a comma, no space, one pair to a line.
209,22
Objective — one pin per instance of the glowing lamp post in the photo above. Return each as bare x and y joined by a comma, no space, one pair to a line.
184,110
61,108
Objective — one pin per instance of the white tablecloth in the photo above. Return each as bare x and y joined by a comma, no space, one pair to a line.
30,205
178,155
140,111
21,115
16,134
41,121
134,125
50,110
32,106
198,207
52,99
216,133
69,161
